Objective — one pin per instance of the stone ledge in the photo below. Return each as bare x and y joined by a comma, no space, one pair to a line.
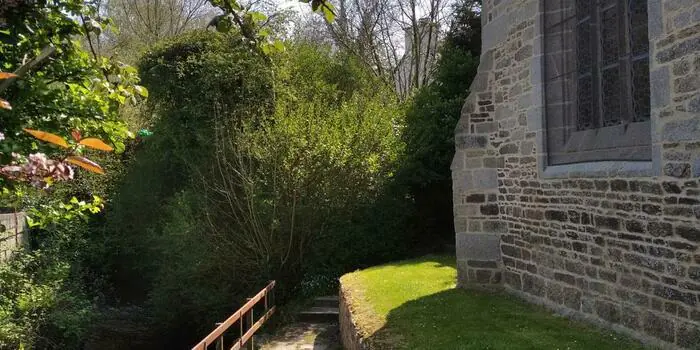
605,169
349,332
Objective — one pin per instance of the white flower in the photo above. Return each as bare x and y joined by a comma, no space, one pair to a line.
2,136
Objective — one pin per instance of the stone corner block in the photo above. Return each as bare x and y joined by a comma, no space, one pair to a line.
478,247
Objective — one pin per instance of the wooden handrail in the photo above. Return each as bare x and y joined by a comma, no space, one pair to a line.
216,336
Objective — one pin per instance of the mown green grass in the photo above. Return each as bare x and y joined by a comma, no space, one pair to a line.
414,305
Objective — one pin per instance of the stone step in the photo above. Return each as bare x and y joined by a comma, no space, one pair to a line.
316,336
326,301
319,315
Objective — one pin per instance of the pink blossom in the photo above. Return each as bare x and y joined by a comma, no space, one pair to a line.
37,169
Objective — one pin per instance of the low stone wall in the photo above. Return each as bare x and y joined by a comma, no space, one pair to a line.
12,228
349,332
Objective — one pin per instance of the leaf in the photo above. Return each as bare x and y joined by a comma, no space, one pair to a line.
86,164
235,5
96,144
141,90
95,24
5,75
76,135
264,32
31,222
279,45
328,12
329,15
48,137
5,105
257,16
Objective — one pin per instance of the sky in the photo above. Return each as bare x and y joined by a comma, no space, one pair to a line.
306,8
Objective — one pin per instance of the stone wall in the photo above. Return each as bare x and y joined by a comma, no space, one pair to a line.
612,242
12,228
349,332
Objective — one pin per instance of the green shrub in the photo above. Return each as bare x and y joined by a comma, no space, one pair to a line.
47,297
327,158
431,117
192,80
44,302
247,179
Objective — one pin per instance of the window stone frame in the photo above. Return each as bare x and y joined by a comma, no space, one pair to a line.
537,121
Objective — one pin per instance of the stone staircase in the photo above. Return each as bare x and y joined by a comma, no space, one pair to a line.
316,328
323,310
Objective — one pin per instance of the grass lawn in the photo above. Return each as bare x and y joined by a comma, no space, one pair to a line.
414,305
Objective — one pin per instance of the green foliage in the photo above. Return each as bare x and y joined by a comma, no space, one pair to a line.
251,24
431,118
44,215
328,158
243,181
465,29
43,301
58,87
435,110
289,166
47,293
153,244
62,86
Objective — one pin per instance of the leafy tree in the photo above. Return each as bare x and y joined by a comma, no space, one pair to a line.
251,24
246,179
327,155
56,88
139,24
430,122
49,295
152,240
67,86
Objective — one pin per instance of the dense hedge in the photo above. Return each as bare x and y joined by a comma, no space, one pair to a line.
258,169
431,117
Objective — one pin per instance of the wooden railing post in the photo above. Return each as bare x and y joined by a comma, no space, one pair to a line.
250,323
240,339
219,340
220,343
245,313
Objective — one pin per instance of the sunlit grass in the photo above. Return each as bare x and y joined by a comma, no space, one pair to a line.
414,305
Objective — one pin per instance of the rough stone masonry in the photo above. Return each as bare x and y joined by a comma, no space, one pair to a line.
12,228
615,243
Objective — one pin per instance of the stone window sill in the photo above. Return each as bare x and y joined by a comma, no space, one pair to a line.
598,170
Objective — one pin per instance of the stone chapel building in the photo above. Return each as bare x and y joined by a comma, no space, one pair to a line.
576,178
419,58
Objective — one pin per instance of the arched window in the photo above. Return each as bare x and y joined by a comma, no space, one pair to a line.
597,100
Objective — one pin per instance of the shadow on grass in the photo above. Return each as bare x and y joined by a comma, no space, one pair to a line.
460,319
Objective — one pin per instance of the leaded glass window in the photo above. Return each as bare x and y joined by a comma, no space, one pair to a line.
597,80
